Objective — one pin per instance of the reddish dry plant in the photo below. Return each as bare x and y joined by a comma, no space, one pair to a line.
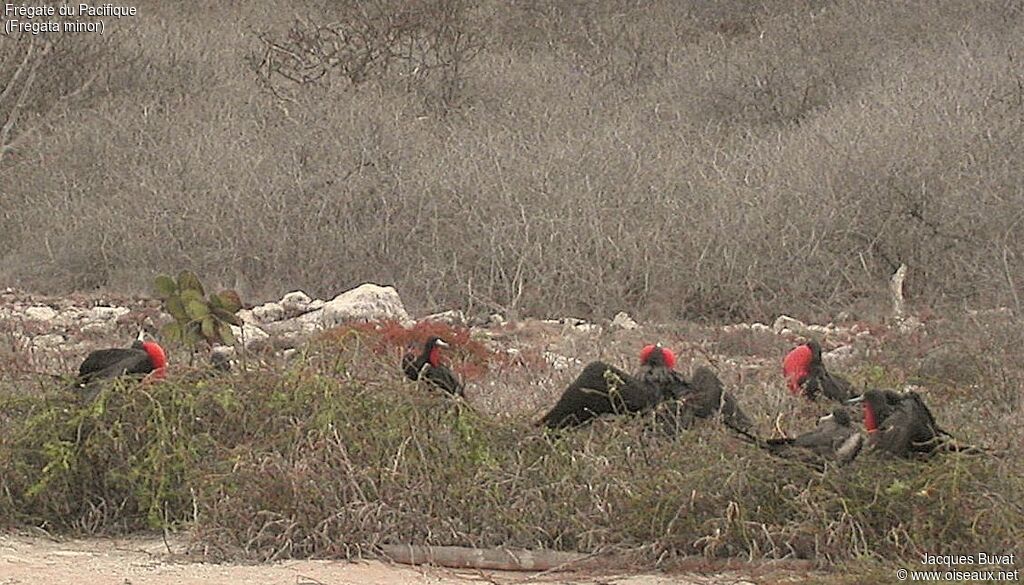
471,358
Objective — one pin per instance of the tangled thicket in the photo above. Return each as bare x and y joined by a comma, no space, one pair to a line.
337,454
545,157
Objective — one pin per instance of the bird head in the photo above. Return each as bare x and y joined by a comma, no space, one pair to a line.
839,416
157,356
657,355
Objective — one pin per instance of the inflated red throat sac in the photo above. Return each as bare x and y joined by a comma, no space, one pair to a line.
796,366
667,354
158,359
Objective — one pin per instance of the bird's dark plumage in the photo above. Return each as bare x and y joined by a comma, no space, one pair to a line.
703,396
600,389
427,367
141,359
834,438
805,373
900,424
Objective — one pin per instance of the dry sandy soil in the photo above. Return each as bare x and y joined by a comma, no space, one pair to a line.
145,560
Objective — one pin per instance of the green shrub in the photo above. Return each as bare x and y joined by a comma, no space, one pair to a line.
313,460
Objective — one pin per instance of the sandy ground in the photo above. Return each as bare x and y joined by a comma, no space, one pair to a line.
145,560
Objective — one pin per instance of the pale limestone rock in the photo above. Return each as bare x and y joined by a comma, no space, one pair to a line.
268,313
106,313
452,317
250,336
49,341
367,302
622,320
40,313
785,322
295,303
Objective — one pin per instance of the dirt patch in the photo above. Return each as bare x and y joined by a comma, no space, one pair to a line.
145,560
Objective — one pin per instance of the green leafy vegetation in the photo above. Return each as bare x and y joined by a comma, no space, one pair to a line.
313,460
197,317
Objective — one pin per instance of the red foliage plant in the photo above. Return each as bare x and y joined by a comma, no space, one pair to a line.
469,357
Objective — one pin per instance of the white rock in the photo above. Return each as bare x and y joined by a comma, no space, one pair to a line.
839,355
40,313
293,332
622,320
290,353
246,316
496,320
560,362
367,302
907,325
821,330
452,317
106,313
226,351
49,341
587,328
268,313
760,327
295,303
98,327
250,336
787,322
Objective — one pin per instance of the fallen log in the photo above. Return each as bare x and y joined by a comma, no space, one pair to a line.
500,559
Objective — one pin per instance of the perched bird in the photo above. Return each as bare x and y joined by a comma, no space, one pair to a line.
806,374
901,424
604,389
703,396
834,438
427,367
142,359
657,368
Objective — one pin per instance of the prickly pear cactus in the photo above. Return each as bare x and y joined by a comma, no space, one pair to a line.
197,317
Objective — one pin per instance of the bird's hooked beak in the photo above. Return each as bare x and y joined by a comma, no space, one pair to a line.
827,417
442,343
856,400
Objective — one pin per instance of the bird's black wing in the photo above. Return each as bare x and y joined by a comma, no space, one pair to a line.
896,435
836,387
443,378
733,416
708,397
412,365
705,393
824,438
599,389
111,363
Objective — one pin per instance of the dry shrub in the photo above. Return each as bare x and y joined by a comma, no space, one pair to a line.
717,161
333,459
472,358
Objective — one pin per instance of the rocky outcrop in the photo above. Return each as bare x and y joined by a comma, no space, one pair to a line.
622,320
367,302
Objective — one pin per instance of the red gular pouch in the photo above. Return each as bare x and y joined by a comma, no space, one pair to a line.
796,366
870,421
158,358
667,355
